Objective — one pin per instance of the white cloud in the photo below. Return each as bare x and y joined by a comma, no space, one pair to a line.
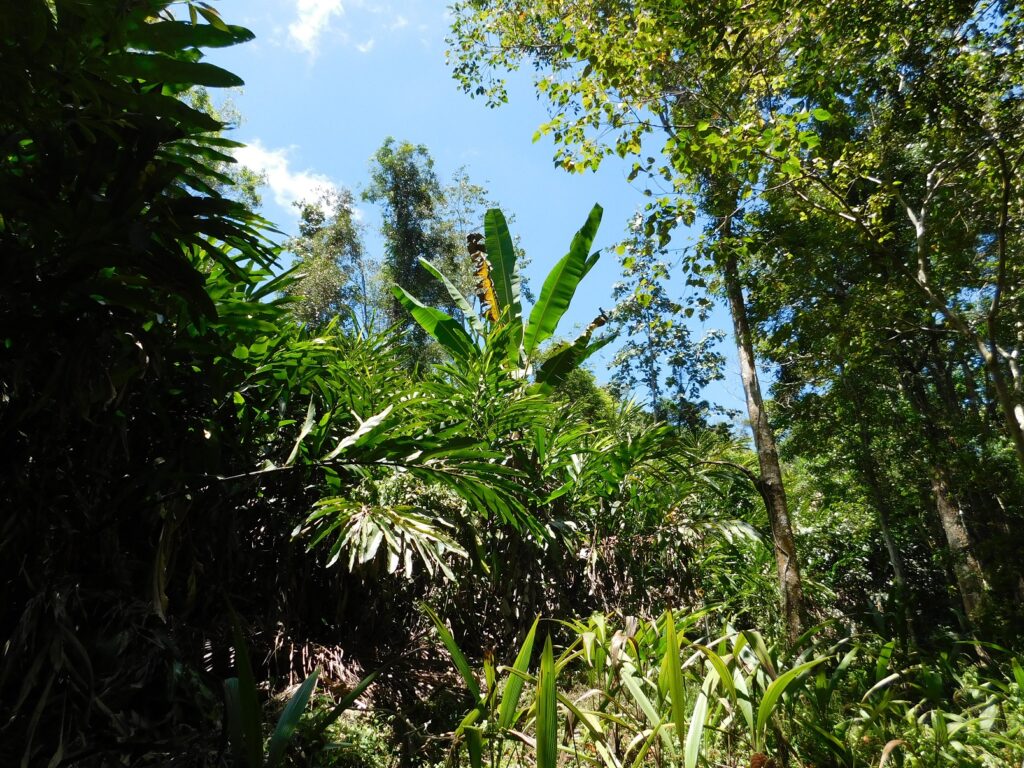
286,184
400,22
366,47
312,20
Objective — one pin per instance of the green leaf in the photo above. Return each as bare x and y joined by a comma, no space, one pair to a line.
691,751
474,745
347,701
289,720
560,285
1018,672
460,301
155,67
792,167
233,715
558,366
307,427
635,690
365,427
884,657
456,653
501,254
441,326
743,701
775,691
514,686
720,667
212,16
172,36
822,115
547,710
674,675
245,699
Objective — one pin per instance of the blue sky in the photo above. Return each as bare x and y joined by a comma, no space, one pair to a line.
328,80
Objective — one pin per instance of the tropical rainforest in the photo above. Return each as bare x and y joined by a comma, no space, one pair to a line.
281,501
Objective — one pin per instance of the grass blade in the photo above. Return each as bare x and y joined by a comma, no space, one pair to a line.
674,677
453,649
289,720
547,710
514,686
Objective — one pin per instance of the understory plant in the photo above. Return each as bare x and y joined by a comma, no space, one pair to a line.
695,691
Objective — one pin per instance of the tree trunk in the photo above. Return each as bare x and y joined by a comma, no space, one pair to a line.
878,500
865,463
771,489
966,567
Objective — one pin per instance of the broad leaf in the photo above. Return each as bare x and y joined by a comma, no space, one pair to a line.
504,270
460,301
560,285
560,364
173,36
442,327
158,68
775,691
243,697
674,677
289,720
514,686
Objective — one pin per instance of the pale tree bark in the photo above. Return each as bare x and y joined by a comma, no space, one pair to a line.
771,487
968,571
967,567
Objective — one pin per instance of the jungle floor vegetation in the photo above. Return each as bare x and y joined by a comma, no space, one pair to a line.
373,510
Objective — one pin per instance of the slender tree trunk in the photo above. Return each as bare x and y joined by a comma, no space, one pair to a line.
880,503
1012,411
878,500
772,489
966,567
866,465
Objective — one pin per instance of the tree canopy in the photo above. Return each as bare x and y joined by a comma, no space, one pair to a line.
374,509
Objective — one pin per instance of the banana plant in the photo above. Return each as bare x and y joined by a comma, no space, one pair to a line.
500,322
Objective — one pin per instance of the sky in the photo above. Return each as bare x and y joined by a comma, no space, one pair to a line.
328,80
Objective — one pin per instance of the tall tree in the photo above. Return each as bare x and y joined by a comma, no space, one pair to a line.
692,73
403,182
886,117
658,351
335,276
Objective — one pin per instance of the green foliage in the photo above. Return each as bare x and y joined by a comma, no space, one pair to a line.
657,338
404,183
185,428
858,183
132,292
334,275
731,693
244,714
520,340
